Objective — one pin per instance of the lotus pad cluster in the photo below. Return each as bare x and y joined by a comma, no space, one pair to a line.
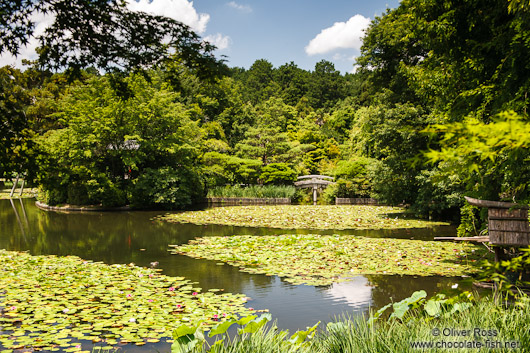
50,303
322,259
305,216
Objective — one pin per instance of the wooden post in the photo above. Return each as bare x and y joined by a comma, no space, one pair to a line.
314,195
22,187
14,186
499,254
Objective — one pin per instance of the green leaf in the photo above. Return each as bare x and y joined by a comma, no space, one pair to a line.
221,328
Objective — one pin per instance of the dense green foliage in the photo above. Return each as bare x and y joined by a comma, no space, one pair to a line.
436,109
111,149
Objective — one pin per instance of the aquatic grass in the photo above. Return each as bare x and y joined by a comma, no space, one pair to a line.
483,321
321,259
496,322
262,191
47,302
305,216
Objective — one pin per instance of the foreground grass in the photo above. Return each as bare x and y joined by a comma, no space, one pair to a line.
321,259
488,326
267,191
305,216
47,302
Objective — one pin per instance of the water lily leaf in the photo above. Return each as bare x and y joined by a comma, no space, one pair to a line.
256,324
49,300
221,328
322,259
304,217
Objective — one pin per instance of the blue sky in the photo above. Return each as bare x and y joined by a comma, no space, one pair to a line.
280,31
302,31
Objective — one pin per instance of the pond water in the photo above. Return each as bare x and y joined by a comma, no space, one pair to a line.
125,237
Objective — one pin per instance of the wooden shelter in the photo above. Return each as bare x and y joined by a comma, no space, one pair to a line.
508,223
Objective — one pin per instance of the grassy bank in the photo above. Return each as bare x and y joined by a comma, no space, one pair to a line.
305,216
264,191
50,302
321,259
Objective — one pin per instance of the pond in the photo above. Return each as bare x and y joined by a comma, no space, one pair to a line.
125,237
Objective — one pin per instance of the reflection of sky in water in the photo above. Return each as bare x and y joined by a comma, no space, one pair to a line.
357,292
125,237
297,306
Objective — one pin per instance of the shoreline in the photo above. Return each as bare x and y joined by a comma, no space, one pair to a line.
77,208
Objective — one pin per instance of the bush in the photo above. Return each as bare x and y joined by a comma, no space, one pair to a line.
77,194
277,174
166,187
352,180
52,197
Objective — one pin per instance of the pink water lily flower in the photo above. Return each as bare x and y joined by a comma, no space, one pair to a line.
194,293
129,295
171,289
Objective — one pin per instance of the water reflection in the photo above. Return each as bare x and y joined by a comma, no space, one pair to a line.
125,237
357,292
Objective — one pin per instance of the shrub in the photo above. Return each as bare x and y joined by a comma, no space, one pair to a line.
277,173
77,194
166,188
52,197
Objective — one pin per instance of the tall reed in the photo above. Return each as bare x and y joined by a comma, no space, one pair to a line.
261,191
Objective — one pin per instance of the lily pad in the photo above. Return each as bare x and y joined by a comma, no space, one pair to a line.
305,217
322,259
49,301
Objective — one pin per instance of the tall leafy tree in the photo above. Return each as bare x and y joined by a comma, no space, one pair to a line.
101,33
15,128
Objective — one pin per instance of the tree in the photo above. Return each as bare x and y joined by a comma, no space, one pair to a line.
265,143
142,150
325,85
15,132
259,81
100,33
293,82
490,160
454,57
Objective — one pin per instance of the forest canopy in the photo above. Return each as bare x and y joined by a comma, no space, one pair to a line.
437,109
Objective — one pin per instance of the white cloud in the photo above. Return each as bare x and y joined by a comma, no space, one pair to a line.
240,7
28,52
180,10
220,41
342,35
